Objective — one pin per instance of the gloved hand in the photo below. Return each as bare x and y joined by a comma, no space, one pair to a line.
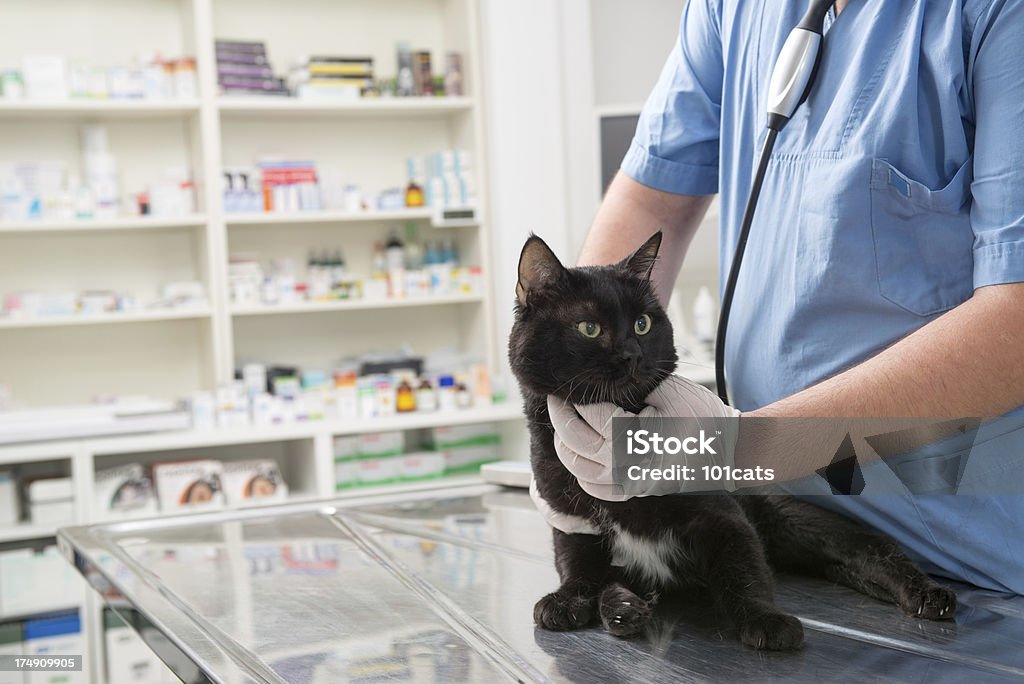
583,441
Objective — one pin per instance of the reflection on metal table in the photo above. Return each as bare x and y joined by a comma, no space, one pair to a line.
439,585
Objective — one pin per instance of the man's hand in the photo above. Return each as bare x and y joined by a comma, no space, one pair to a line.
583,436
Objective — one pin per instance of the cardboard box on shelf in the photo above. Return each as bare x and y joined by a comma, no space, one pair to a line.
55,636
9,514
346,446
457,436
469,458
189,485
50,501
125,491
346,472
36,582
380,444
378,470
421,465
129,659
253,482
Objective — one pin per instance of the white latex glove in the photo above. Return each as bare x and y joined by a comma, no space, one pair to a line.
583,439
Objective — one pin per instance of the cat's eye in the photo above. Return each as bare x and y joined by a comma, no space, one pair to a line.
642,326
589,328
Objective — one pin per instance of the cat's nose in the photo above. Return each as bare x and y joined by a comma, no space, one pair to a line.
630,352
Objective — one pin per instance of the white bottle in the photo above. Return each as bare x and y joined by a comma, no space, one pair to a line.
704,316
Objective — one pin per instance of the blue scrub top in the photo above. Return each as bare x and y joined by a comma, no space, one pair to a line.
895,191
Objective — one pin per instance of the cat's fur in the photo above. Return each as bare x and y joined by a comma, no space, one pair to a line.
723,544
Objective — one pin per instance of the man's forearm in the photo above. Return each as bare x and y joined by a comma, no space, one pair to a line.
631,213
965,363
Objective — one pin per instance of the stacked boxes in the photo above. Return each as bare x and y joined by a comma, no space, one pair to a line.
464,448
385,457
211,484
125,491
447,178
36,582
243,69
381,458
290,186
328,76
129,659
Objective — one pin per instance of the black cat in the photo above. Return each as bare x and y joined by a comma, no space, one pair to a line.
574,337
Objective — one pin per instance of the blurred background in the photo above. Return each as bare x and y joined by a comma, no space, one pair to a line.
255,251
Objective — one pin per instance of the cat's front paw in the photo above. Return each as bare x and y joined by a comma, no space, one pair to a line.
561,611
623,613
930,603
772,632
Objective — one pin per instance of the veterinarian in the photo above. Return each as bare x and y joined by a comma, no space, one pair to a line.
884,275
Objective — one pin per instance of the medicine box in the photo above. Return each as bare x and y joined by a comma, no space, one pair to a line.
35,582
377,471
50,501
247,482
346,446
346,451
421,465
8,499
125,491
379,444
55,636
457,436
189,485
468,458
129,659
346,473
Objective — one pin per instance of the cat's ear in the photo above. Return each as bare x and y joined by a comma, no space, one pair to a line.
539,268
641,262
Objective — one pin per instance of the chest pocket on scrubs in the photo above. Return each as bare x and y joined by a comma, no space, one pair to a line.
922,239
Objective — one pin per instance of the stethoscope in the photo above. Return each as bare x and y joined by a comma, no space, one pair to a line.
790,85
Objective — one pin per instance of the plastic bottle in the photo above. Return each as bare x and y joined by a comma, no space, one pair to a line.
337,269
395,252
431,256
405,397
446,396
704,316
451,253
379,264
426,400
413,248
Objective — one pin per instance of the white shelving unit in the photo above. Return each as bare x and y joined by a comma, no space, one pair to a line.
91,109
347,217
67,360
366,140
127,223
143,316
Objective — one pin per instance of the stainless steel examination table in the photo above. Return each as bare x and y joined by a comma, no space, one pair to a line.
438,585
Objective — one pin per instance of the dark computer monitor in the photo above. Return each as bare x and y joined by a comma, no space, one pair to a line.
616,135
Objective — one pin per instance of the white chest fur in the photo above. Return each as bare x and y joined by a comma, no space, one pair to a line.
655,560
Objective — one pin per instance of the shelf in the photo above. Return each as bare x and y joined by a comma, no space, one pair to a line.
25,531
12,454
43,612
191,439
351,305
145,316
293,499
97,108
368,107
126,223
287,218
423,419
